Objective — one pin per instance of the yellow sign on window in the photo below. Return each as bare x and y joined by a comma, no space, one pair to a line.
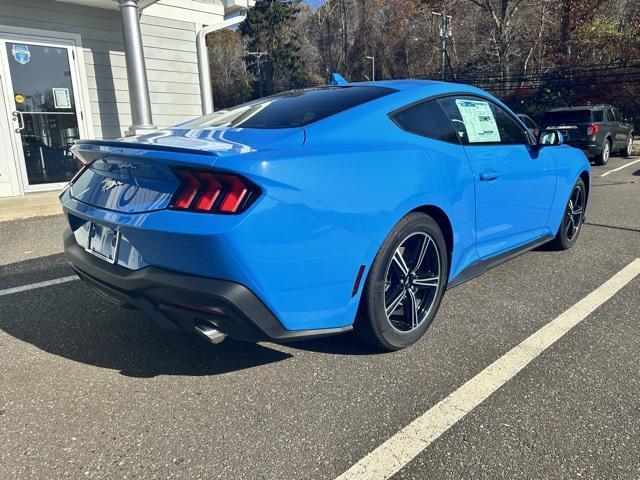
19,99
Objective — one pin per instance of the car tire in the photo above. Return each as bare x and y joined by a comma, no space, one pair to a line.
629,148
412,263
605,153
572,218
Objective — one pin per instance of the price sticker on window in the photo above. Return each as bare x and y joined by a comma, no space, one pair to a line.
479,121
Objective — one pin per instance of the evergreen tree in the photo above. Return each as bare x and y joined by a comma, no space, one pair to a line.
271,27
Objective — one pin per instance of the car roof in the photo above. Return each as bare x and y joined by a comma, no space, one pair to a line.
399,85
584,107
419,89
405,93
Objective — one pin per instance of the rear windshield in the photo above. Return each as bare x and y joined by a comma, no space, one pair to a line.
291,109
565,117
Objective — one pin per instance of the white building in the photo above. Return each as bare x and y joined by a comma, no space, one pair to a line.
72,69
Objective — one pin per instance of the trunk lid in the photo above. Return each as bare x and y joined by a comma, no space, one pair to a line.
135,175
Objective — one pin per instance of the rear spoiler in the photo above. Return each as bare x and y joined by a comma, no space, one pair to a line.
79,144
88,151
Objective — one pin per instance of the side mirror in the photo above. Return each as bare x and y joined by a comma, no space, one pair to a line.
550,137
627,120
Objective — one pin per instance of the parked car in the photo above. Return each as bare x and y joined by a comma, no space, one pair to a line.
599,130
530,124
319,211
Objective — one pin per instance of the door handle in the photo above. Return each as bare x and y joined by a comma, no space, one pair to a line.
489,176
20,119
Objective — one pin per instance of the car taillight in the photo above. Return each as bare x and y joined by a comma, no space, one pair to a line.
213,192
593,129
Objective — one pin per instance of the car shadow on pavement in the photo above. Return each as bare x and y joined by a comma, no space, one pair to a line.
130,343
345,344
71,321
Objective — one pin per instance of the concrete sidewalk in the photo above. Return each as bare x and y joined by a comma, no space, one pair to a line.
31,205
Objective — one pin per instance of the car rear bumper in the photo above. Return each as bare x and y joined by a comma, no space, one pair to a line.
589,149
592,150
182,301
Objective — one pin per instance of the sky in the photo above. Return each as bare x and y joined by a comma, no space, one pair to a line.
314,3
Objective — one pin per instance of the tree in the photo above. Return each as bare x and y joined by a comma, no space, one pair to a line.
505,30
230,79
328,31
271,27
534,53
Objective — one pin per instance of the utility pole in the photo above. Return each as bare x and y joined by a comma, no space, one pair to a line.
258,56
445,33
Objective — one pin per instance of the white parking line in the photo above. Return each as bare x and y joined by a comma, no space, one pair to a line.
620,168
390,457
33,286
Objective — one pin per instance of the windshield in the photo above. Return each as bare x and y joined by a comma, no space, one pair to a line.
564,117
296,108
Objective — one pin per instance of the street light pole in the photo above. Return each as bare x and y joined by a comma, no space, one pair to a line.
258,56
373,67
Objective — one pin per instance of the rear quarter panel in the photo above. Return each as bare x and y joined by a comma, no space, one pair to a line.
364,180
339,196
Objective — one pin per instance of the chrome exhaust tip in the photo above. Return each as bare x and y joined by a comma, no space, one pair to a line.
210,332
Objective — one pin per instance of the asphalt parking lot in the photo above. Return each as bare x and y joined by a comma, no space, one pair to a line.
88,390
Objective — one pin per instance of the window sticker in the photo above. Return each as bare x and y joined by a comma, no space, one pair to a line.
479,121
21,53
61,98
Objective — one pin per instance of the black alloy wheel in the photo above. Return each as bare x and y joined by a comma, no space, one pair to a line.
573,218
412,281
405,284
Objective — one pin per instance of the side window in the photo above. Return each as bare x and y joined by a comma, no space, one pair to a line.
596,116
511,133
528,122
479,121
428,120
451,110
610,116
617,115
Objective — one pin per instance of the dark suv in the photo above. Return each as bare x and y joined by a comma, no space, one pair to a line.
599,130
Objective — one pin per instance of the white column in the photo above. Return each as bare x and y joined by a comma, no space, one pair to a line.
136,69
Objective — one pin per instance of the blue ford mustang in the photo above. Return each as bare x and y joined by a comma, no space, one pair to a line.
319,211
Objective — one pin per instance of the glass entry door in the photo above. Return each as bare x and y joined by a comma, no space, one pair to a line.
45,112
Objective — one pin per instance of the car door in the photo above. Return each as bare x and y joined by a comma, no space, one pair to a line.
622,129
612,127
515,181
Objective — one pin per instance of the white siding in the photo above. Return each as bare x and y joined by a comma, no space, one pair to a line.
170,52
